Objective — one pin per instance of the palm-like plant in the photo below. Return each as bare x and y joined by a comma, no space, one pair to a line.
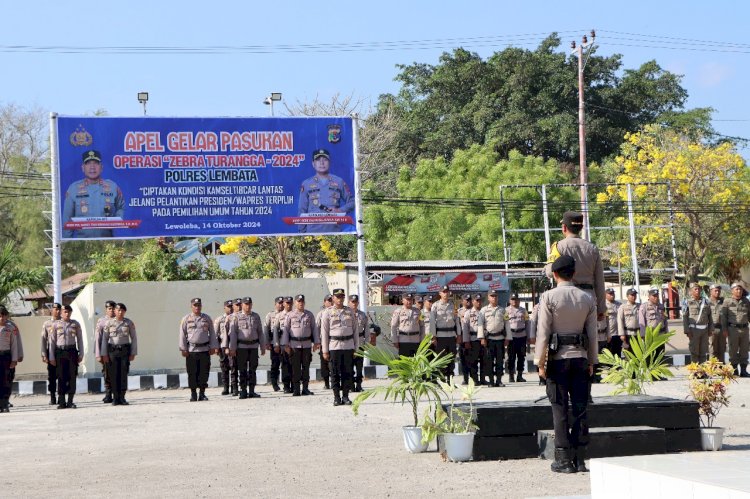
412,378
12,277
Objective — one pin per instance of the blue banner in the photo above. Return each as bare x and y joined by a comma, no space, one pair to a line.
124,178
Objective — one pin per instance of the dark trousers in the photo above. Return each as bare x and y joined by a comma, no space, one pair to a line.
567,380
359,367
472,355
494,358
246,362
67,370
408,349
718,345
118,367
51,378
106,376
228,368
463,366
5,382
325,371
446,346
275,365
198,364
281,360
516,355
342,362
300,359
615,346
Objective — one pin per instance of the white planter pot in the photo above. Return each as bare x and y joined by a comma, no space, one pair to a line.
459,446
712,438
413,439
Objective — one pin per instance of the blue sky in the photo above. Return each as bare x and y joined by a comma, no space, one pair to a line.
362,42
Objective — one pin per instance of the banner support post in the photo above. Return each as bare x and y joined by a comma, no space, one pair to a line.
361,267
54,164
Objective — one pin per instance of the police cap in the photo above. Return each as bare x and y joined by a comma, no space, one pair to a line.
407,296
631,291
299,298
288,299
56,306
514,296
653,292
321,153
247,299
564,262
354,298
466,296
492,292
419,298
339,292
572,218
238,301
110,304
445,288
478,296
195,301
610,291
228,303
428,298
328,297
715,286
738,284
92,155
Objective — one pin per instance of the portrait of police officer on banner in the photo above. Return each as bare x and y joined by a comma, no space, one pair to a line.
324,194
92,197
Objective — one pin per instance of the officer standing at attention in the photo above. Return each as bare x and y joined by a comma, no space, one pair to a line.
92,197
532,330
245,337
652,313
363,323
325,371
736,317
615,343
589,271
9,336
270,328
491,334
445,329
339,341
720,334
51,371
66,352
427,301
226,361
407,327
697,324
109,314
627,318
565,353
461,313
300,339
516,337
286,366
472,345
197,342
324,194
119,348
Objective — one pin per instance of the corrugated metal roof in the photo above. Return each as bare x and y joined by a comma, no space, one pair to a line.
67,285
421,265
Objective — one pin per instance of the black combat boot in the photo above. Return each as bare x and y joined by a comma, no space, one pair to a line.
202,396
736,370
579,459
562,462
225,391
358,386
295,391
107,397
520,378
4,406
243,392
122,399
305,390
52,399
499,381
345,399
275,384
743,371
288,387
336,398
115,400
326,384
251,392
61,401
193,396
70,404
235,391
512,377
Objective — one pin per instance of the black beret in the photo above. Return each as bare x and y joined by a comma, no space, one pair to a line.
564,262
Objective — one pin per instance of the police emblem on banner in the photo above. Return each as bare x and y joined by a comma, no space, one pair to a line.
80,137
334,133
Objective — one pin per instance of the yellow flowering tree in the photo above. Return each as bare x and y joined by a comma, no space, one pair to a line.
710,199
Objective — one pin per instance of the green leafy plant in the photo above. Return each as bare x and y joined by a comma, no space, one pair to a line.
708,385
456,420
641,365
413,378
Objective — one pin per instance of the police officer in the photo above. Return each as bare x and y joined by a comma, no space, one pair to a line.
491,334
339,341
532,330
736,317
589,270
197,342
9,356
270,328
627,318
109,314
324,194
614,343
51,370
516,338
460,314
245,337
119,348
444,326
92,197
325,371
427,301
286,366
226,361
565,353
652,313
66,352
697,323
407,327
720,334
472,345
363,333
300,339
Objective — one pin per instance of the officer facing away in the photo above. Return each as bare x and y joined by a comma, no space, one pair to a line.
565,353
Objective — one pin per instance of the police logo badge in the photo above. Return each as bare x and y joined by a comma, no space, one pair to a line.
334,133
81,137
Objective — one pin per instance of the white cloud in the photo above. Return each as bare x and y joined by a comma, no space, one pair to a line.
713,74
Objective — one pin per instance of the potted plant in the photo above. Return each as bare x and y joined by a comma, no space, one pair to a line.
457,427
411,380
708,386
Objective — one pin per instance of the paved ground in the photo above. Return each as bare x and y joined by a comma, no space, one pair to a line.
275,446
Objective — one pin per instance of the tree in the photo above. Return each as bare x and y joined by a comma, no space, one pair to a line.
709,189
12,277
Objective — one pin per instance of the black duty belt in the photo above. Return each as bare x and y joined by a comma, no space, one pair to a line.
413,333
517,330
4,352
67,348
342,338
570,339
446,329
490,335
112,346
602,330
200,344
632,329
304,338
717,325
584,286
245,342
738,325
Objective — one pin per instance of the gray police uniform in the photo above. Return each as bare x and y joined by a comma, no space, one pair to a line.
119,342
325,371
736,317
491,327
359,362
197,337
227,362
698,326
627,320
300,333
272,328
589,273
471,337
615,343
92,198
284,361
463,364
65,346
324,195
98,335
9,336
51,370
245,337
338,339
516,333
407,329
444,327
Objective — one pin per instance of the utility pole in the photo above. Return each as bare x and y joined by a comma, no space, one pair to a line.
584,171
